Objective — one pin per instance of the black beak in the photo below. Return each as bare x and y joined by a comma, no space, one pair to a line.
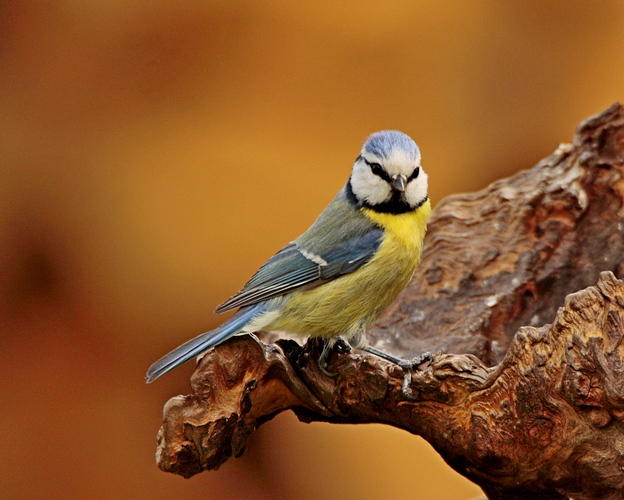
398,182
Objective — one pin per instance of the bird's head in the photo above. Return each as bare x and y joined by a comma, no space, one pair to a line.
387,176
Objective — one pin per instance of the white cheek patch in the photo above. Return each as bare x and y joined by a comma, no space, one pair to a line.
368,186
416,190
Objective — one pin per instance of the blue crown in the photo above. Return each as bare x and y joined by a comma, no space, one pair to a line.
383,143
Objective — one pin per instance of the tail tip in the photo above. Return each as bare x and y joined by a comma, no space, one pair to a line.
152,375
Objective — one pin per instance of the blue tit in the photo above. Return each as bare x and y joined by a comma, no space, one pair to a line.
338,277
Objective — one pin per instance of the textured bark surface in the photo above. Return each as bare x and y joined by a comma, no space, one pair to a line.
525,395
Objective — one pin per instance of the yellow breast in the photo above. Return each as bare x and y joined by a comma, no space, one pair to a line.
349,304
406,229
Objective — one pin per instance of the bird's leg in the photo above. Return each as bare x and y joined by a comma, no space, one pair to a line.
328,347
406,364
403,363
358,342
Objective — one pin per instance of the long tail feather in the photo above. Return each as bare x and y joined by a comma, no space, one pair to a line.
201,343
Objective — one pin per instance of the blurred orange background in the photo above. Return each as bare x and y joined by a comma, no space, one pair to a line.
155,153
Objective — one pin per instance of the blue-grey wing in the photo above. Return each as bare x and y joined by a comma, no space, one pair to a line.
294,267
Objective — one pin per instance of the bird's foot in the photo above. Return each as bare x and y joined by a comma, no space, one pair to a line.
338,345
408,365
341,346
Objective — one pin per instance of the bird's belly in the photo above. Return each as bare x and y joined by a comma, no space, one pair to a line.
349,304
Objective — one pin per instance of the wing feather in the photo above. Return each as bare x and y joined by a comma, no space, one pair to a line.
290,269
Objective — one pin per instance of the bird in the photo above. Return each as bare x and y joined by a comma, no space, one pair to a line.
337,278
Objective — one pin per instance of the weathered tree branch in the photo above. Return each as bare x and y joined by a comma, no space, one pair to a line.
524,412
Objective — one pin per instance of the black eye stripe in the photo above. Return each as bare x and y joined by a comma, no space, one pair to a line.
377,169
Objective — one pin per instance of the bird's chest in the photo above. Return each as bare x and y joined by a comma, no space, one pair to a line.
350,303
381,279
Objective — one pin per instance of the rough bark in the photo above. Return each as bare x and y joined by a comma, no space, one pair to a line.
525,395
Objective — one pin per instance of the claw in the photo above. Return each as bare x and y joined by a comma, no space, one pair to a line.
419,360
324,357
326,373
406,389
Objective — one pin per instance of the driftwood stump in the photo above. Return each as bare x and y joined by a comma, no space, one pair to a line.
525,395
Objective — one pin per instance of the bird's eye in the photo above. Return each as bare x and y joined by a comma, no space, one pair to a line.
414,174
377,169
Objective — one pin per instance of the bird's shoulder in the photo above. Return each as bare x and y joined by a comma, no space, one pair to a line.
340,222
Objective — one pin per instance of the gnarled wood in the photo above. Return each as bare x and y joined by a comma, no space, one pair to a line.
524,396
